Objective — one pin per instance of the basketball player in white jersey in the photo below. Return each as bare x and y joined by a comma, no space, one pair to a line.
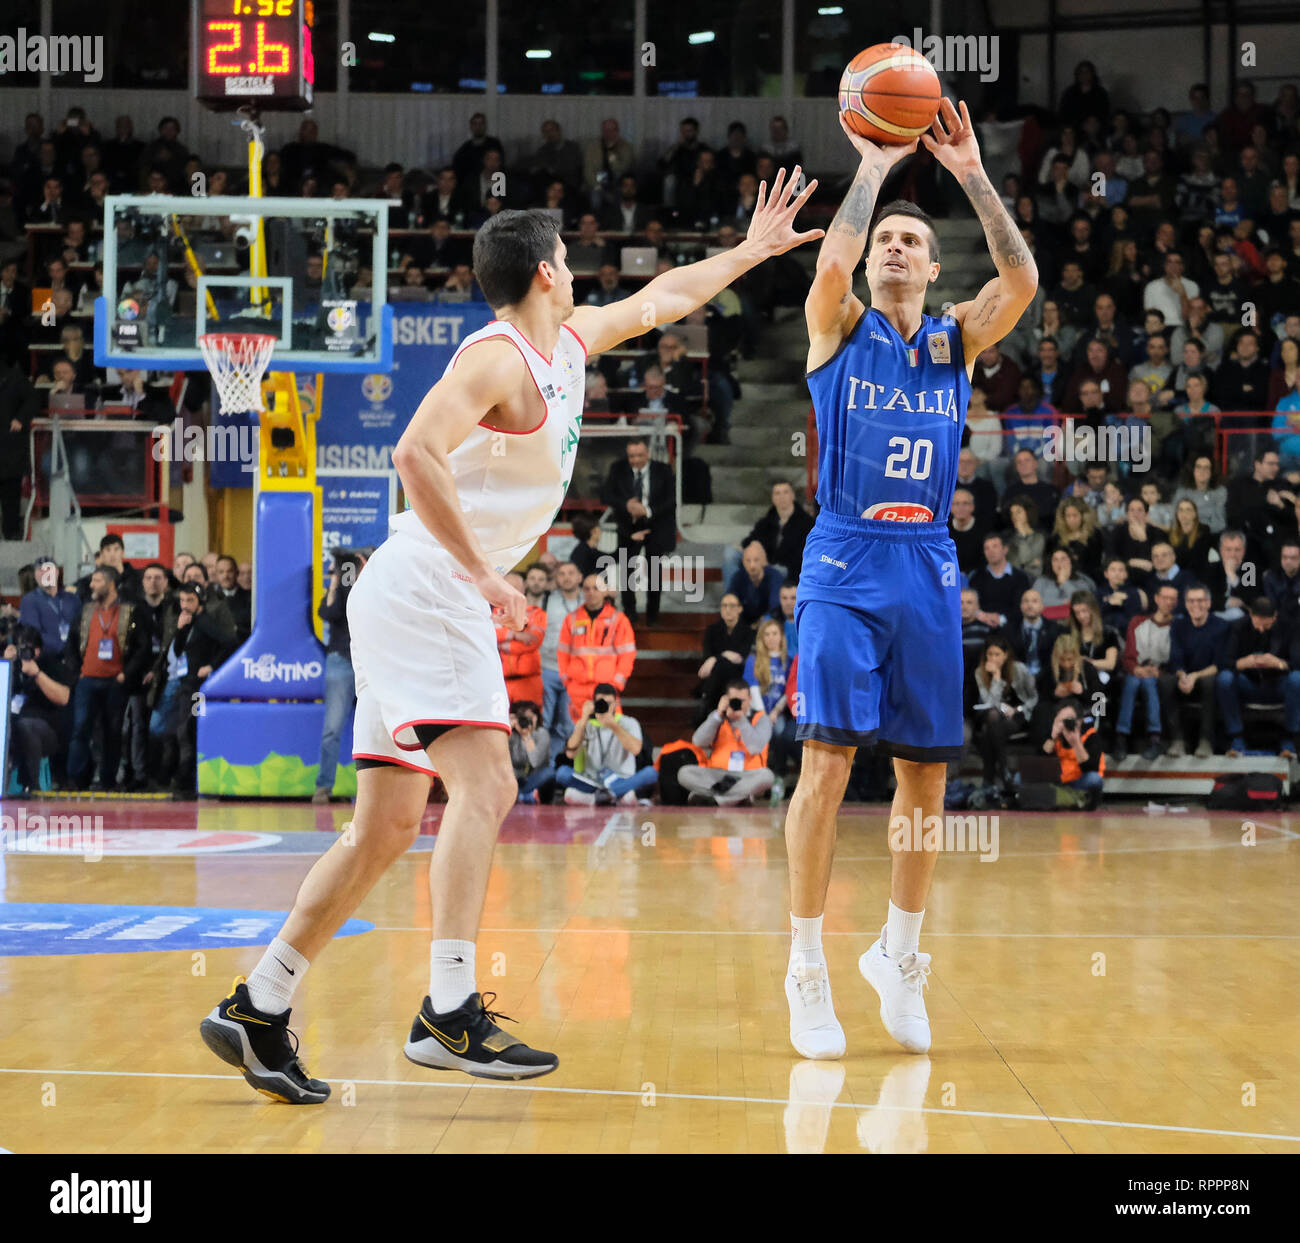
485,463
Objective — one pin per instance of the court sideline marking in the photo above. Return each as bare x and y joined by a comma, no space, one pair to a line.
686,1096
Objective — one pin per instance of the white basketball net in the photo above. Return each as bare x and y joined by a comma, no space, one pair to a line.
237,361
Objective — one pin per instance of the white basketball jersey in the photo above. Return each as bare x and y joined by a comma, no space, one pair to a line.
511,484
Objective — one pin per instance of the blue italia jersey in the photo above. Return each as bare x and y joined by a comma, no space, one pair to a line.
889,421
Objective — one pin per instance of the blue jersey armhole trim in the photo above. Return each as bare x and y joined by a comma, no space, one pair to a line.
843,345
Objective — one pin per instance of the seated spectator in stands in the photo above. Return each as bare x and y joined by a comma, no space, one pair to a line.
727,645
145,402
1120,600
1099,645
1075,530
998,376
626,213
1065,675
974,632
966,531
1155,370
756,584
987,440
1242,380
1233,582
1026,482
1059,581
1052,372
1196,653
1261,663
1165,571
1076,741
520,651
239,600
530,750
1286,428
1028,415
734,738
1282,584
1136,538
982,492
49,609
1196,435
1259,500
766,671
1201,485
1007,696
1032,635
40,694
785,615
1285,374
1098,365
605,744
1112,512
1170,293
1146,655
1199,327
999,584
460,286
608,290
782,531
1190,540
586,552
1026,542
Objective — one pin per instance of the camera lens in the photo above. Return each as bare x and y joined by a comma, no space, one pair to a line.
735,704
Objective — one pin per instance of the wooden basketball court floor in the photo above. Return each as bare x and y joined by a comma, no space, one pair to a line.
1120,982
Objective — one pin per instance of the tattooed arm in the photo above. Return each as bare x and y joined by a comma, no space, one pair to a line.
993,312
831,308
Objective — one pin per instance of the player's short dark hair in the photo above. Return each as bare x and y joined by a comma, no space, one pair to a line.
901,207
507,250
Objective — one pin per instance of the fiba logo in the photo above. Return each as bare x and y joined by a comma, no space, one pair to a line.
377,388
128,308
340,317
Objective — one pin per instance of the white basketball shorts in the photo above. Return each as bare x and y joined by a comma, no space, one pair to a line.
424,652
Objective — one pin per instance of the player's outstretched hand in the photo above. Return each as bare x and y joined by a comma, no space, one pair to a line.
886,155
771,228
509,608
951,139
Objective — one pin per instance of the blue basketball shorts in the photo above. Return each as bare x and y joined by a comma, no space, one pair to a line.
879,619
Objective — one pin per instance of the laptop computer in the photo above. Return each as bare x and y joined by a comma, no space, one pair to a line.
638,260
216,255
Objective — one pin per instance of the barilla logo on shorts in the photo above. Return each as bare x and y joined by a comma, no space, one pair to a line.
904,511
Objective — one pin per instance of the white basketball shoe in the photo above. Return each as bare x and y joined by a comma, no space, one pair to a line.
814,1030
901,983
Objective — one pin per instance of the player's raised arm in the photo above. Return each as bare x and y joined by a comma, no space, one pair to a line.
675,294
830,307
487,373
993,312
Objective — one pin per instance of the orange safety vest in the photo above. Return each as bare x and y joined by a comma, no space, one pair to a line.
594,650
1070,770
521,650
728,740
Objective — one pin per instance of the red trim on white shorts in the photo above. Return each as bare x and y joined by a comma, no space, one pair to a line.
388,759
430,721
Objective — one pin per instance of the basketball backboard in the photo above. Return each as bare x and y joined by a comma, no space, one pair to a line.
176,267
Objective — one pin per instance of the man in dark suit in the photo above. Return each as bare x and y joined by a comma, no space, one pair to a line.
644,500
628,214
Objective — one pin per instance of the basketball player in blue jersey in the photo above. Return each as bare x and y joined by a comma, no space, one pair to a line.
879,613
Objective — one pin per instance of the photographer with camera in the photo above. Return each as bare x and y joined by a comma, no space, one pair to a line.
736,744
1077,744
40,694
607,744
530,750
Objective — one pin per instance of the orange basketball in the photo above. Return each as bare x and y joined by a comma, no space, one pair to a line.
889,93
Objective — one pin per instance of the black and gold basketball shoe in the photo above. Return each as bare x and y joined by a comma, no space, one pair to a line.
468,1039
263,1047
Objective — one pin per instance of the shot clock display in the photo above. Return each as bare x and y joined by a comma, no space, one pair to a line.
254,51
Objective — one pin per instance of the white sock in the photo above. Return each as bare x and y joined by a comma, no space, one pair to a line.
807,942
451,974
903,932
271,984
